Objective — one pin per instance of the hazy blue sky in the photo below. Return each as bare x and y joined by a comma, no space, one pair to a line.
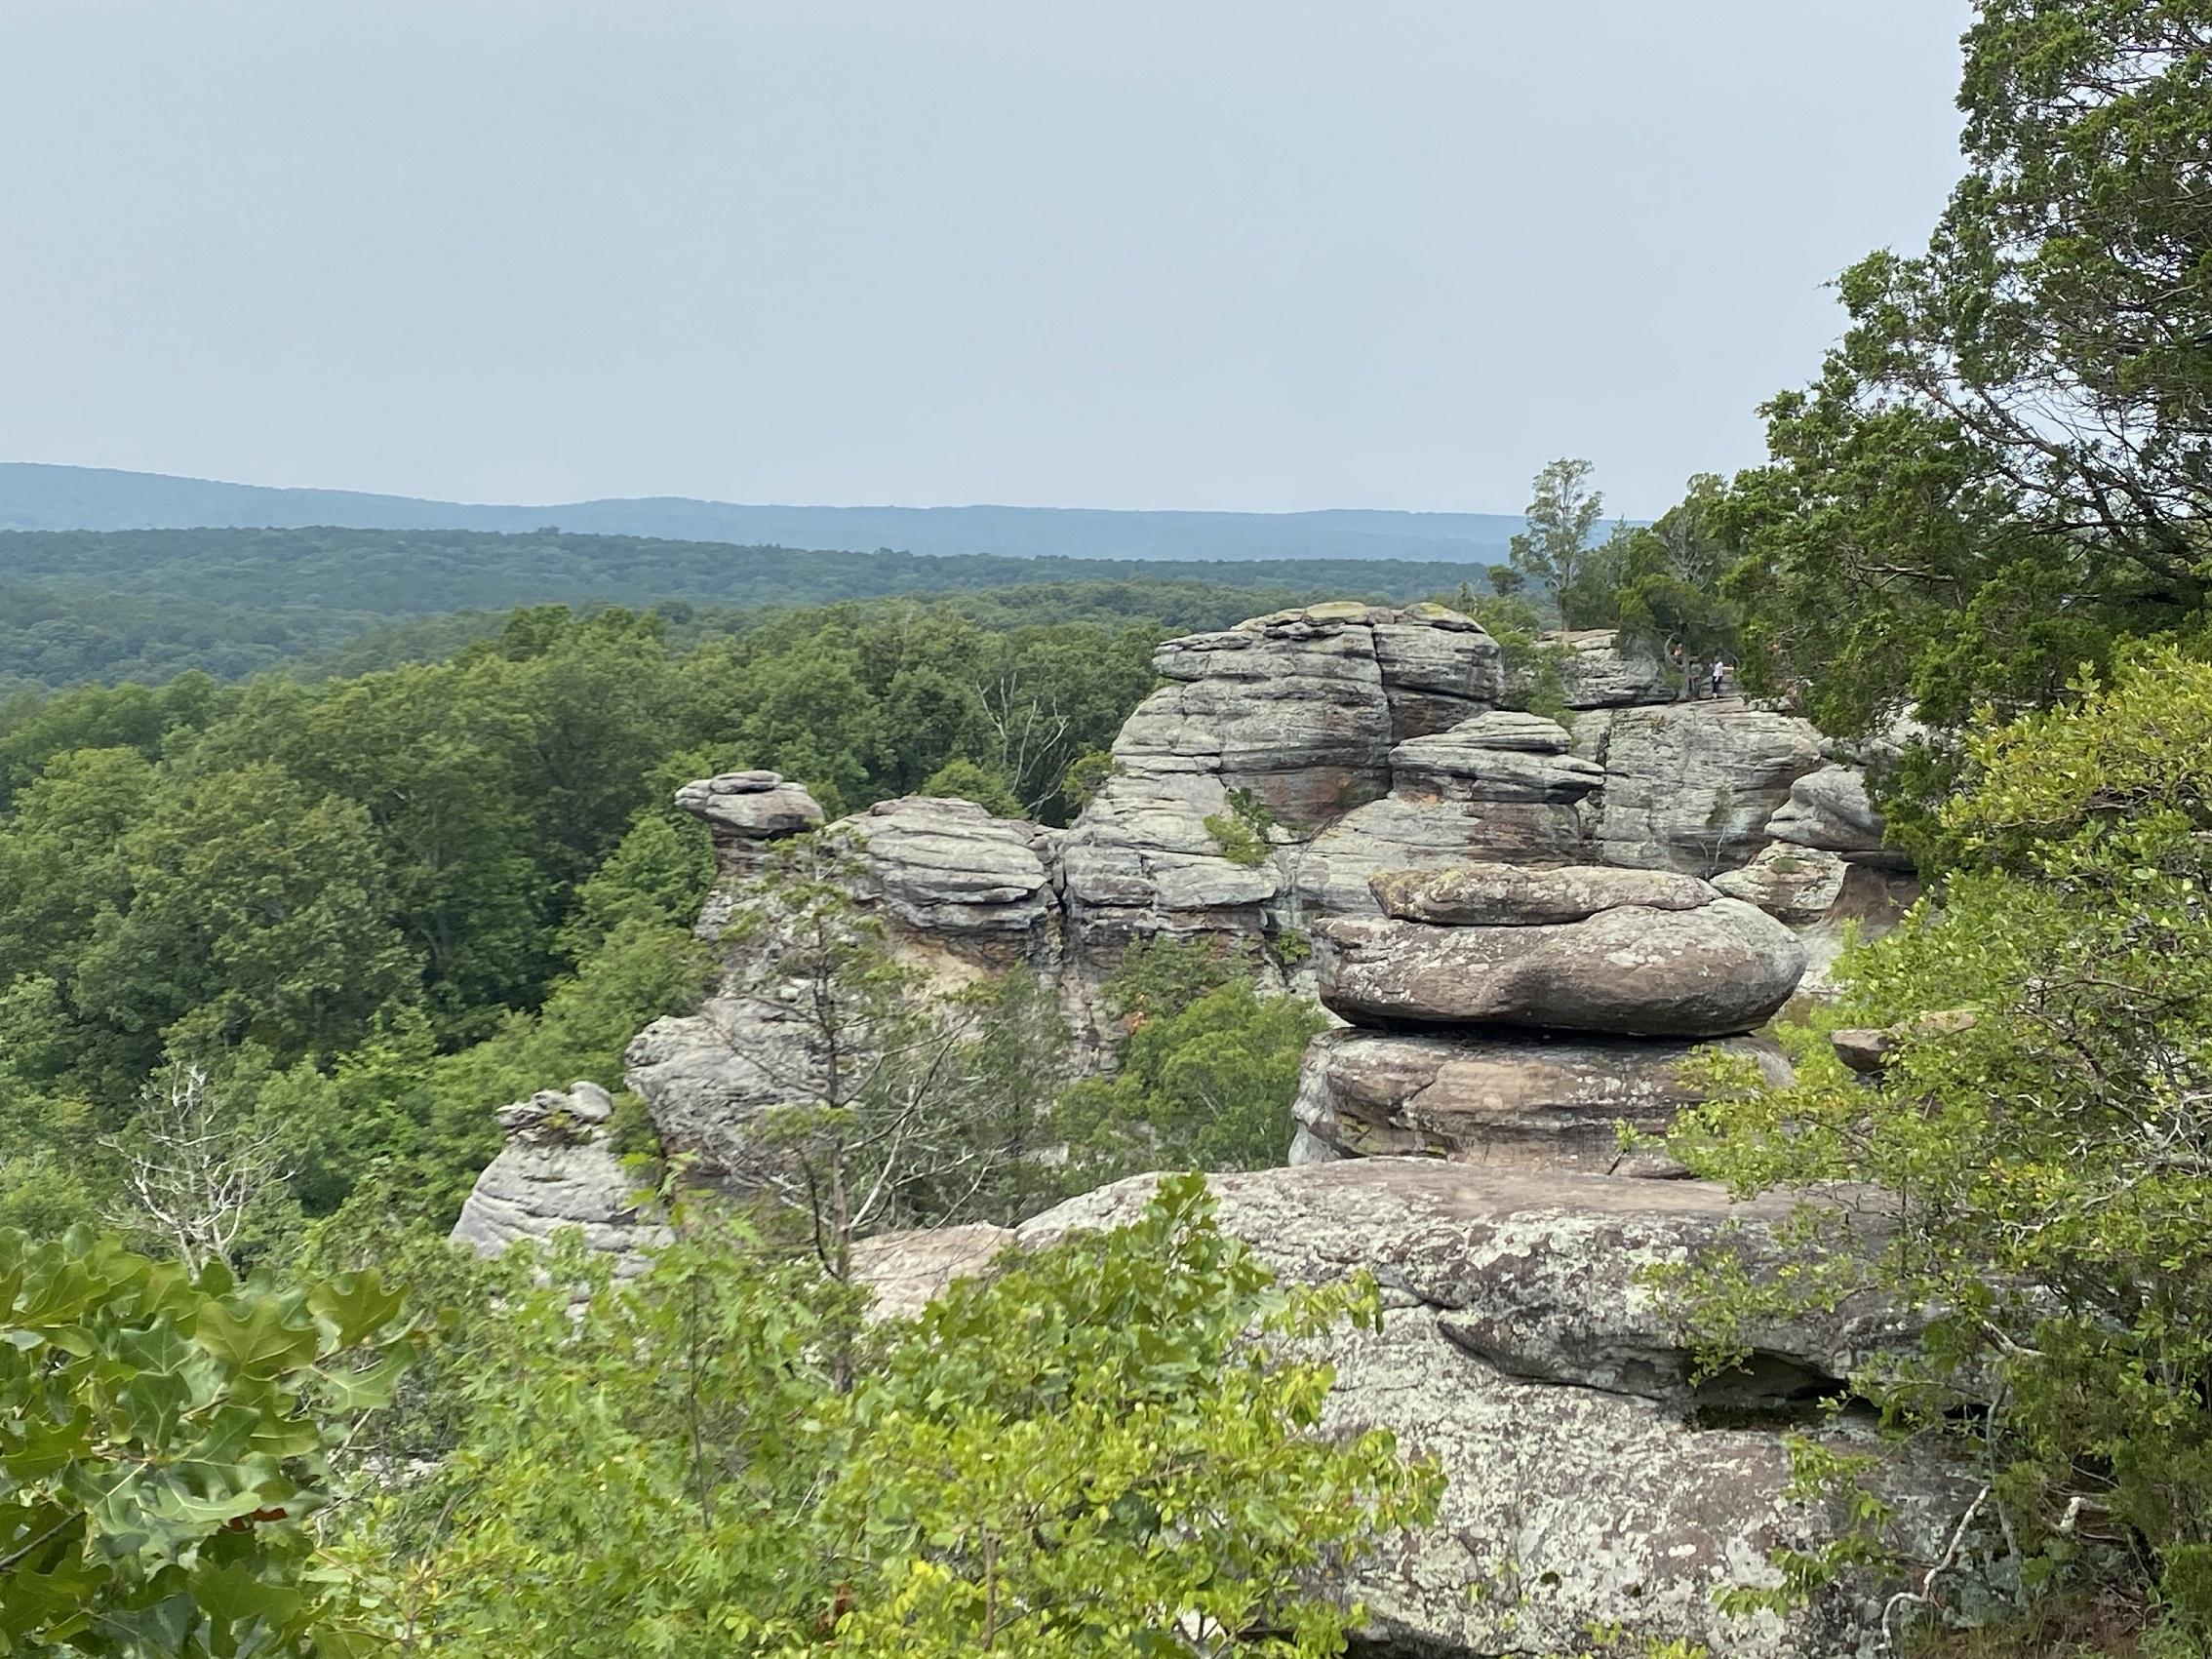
1240,254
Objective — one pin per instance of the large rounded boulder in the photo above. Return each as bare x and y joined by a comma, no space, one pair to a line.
1634,969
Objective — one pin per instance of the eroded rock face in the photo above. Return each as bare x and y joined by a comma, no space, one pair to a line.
1635,970
1298,713
1505,1102
1499,786
1788,881
1692,785
1140,860
1598,671
950,872
1522,1348
1293,711
1828,811
557,1171
709,1078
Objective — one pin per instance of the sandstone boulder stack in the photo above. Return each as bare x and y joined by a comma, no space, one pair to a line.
1514,1017
1557,951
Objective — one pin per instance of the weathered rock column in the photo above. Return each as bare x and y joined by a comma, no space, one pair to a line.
1513,1016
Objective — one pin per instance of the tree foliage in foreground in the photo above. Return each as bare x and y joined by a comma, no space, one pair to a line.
165,1450
2044,1133
1107,1448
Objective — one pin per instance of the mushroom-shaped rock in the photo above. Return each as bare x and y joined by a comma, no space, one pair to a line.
554,1117
1828,811
750,806
1724,967
1506,1102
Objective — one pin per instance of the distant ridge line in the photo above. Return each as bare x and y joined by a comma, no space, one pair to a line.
39,496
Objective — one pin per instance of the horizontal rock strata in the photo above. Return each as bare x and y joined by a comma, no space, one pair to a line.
1533,1103
1692,785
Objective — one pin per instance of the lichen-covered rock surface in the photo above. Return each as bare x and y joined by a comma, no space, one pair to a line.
1522,1349
1692,786
1788,881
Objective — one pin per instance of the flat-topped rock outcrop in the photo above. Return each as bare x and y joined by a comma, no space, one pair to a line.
1522,1346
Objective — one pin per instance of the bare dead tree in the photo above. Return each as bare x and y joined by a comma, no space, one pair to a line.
1031,735
193,1170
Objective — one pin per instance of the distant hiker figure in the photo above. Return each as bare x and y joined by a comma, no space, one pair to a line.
1684,667
1719,668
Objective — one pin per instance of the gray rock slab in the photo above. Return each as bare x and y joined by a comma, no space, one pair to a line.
909,1270
1522,1348
1692,785
950,868
1512,896
1637,971
1469,762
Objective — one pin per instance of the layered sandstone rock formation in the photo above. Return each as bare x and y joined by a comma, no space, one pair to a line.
1531,930
557,1172
1514,1017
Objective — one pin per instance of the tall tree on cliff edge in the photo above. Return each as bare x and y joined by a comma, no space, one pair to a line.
2004,468
1555,550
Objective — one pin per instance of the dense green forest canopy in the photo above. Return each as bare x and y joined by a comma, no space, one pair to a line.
145,605
407,896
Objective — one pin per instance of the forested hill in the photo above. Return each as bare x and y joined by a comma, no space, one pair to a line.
413,573
35,496
147,605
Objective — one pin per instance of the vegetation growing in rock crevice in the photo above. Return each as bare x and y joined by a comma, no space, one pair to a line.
1204,1076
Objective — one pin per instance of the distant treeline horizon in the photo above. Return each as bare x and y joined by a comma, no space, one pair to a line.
80,607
